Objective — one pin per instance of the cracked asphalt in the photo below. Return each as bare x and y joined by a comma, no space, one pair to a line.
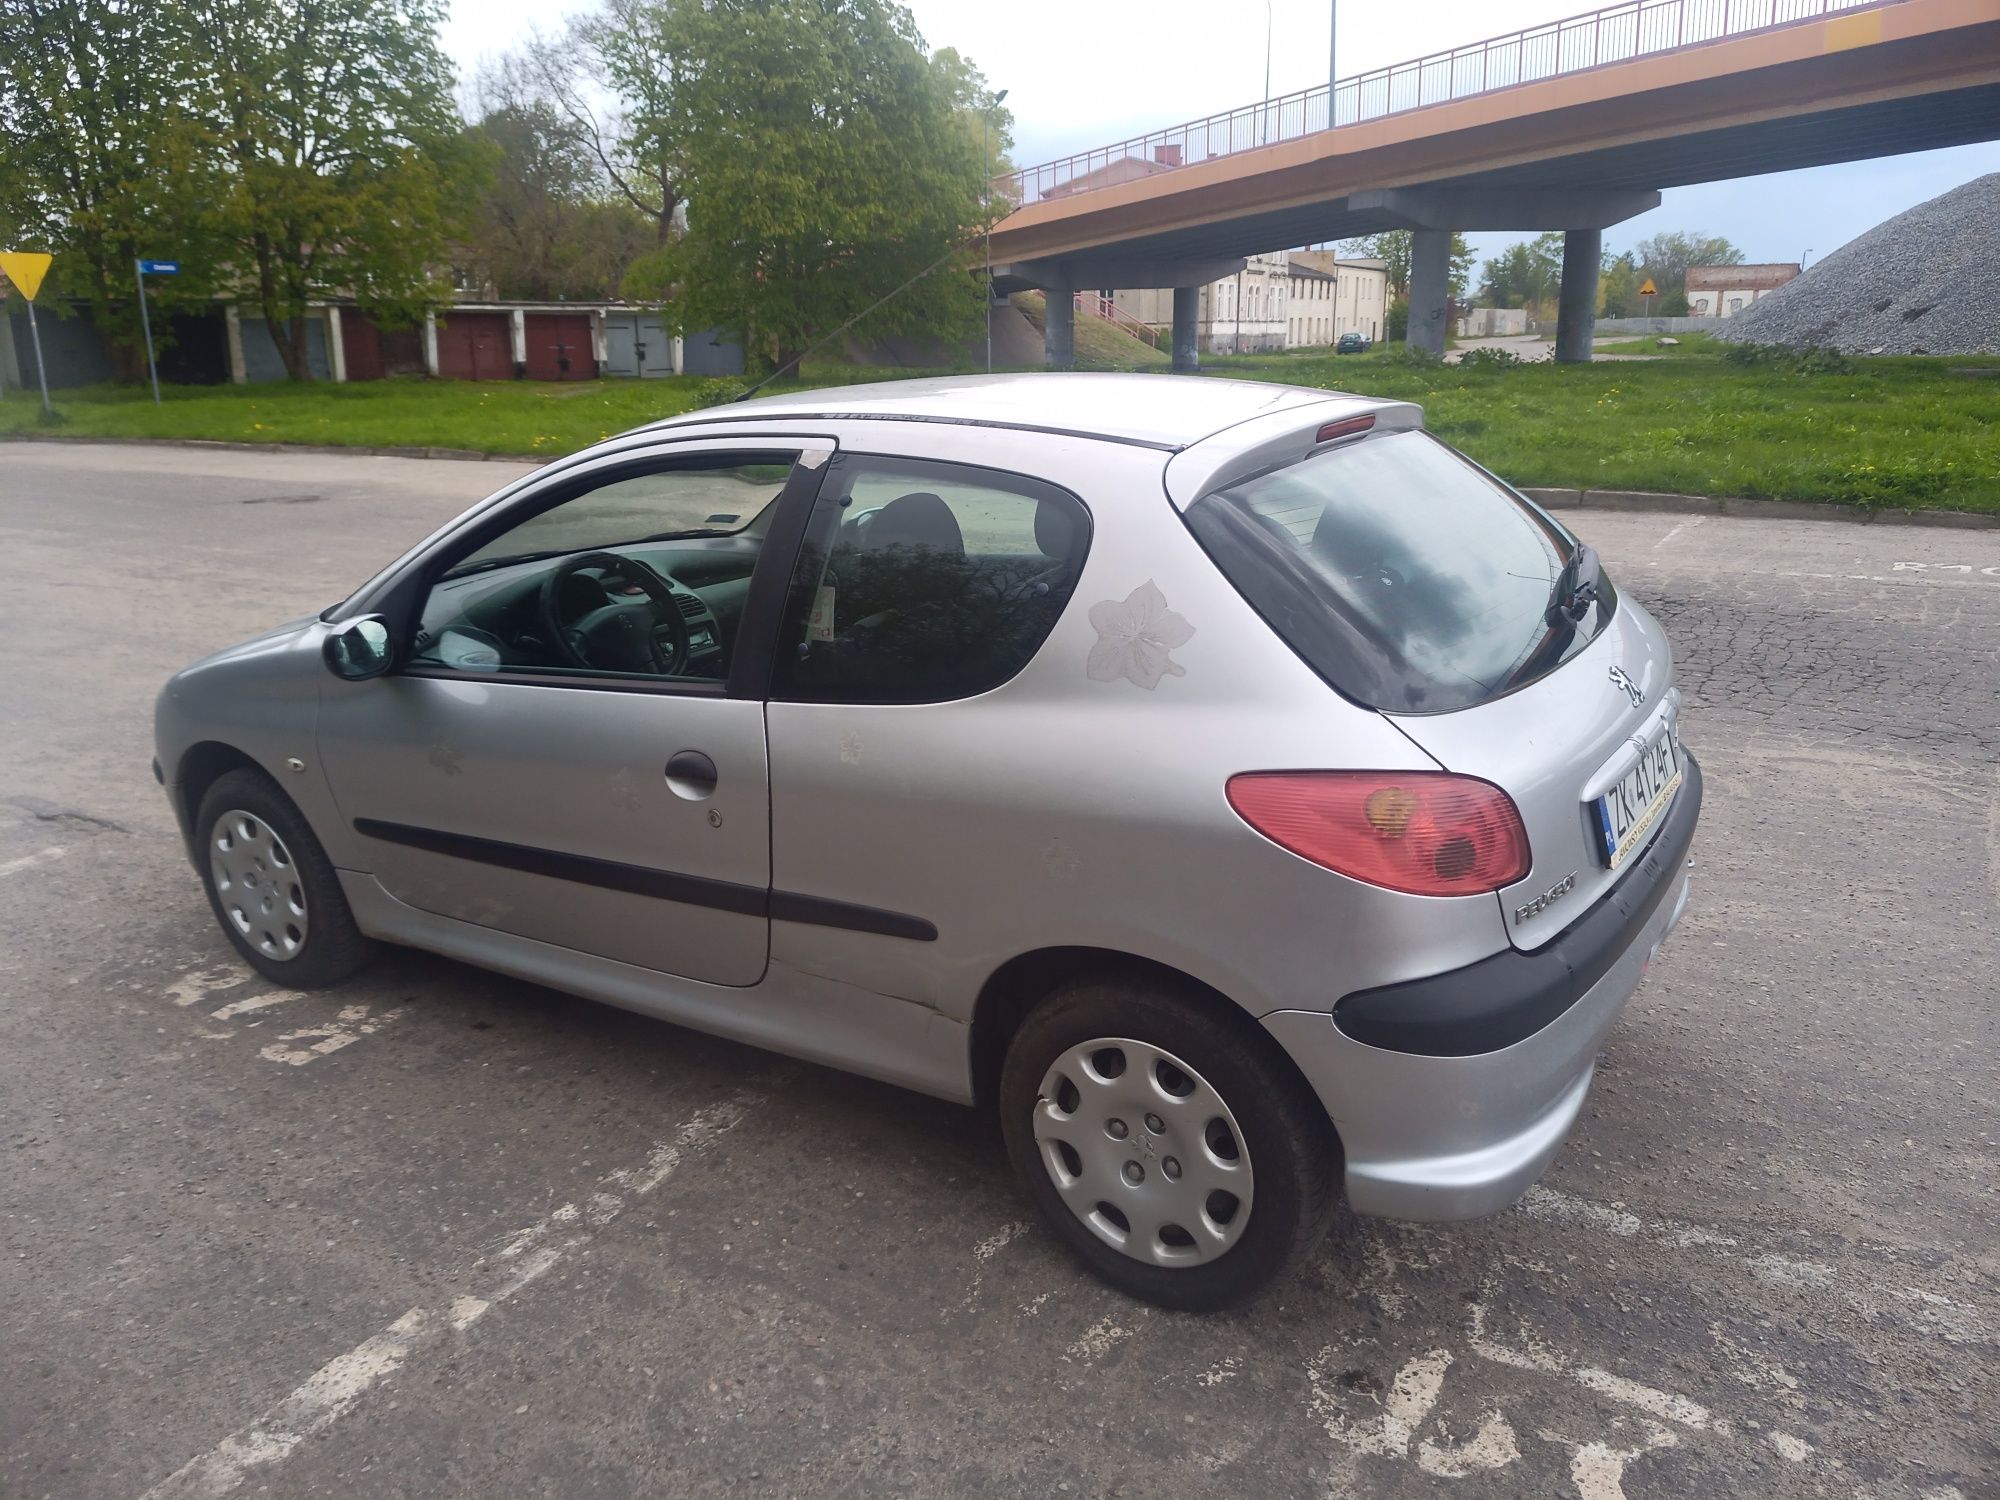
441,1233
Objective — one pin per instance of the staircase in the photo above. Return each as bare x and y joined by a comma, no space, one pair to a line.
1097,305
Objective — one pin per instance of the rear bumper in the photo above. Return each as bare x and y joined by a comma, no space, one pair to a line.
1470,1081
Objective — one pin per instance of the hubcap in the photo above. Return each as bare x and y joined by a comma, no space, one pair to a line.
1144,1152
257,883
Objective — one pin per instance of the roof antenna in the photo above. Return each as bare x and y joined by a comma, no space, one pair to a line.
800,358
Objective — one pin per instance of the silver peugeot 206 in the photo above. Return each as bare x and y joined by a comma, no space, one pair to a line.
1244,794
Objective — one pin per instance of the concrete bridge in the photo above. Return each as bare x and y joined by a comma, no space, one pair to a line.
1576,125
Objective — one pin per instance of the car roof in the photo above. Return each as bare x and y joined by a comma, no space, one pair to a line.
1155,411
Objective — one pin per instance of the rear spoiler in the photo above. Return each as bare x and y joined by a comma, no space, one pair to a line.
1272,442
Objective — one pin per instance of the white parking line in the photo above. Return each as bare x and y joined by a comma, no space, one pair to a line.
352,1025
334,1388
189,988
254,1002
29,861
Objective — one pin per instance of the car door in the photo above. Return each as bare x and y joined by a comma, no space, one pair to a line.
535,766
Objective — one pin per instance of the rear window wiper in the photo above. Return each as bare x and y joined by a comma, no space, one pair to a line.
1576,586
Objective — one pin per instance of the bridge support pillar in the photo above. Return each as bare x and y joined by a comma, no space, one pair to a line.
1430,288
1059,328
1187,327
1576,309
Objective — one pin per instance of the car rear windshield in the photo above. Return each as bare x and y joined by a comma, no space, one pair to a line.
1407,577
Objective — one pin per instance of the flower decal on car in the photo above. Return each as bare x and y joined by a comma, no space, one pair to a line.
1135,638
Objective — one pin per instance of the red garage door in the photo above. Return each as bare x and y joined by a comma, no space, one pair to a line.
474,346
373,351
559,346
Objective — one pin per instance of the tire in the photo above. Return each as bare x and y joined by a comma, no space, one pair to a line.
1189,1069
271,886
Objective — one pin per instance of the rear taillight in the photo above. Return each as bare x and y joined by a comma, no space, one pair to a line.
1425,832
1345,427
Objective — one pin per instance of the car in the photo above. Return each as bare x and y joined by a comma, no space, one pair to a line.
1248,798
1353,343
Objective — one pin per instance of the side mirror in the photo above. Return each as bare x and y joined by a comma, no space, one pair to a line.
359,649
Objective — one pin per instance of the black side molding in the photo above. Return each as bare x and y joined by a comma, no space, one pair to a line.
661,885
1509,997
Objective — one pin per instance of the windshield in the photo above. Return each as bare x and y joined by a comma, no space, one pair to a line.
1405,576
689,500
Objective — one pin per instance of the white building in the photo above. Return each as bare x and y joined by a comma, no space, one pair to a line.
1296,299
1331,296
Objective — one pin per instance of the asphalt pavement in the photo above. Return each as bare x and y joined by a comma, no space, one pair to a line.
441,1233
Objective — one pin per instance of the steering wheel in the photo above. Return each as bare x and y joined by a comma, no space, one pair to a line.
622,635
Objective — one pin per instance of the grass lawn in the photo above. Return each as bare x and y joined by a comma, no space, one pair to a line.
1896,432
484,416
1685,345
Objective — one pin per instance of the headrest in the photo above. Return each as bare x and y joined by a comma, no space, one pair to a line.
920,519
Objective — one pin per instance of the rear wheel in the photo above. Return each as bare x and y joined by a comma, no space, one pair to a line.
1183,1160
272,887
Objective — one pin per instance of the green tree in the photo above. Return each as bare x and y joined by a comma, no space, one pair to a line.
827,165
547,227
1392,247
640,52
1527,273
1618,286
1666,258
348,171
100,159
988,124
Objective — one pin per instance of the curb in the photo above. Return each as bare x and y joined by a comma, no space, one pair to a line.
350,449
1768,510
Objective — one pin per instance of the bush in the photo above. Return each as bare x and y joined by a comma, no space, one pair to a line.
1747,356
1488,358
1405,354
1822,362
1808,360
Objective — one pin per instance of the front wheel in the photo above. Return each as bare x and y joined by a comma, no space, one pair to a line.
272,887
1177,1154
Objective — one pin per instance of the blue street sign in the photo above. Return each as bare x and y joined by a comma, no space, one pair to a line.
159,268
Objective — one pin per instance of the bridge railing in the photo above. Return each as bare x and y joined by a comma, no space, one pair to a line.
1613,34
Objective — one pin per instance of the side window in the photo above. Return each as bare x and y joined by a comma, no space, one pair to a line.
921,582
644,574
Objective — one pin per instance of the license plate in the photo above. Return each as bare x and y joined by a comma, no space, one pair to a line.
1629,811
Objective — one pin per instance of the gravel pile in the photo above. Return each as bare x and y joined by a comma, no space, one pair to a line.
1924,282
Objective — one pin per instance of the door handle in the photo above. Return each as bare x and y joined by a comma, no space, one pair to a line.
691,774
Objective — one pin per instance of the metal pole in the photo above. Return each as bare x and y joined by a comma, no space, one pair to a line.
41,371
1332,61
1264,111
146,322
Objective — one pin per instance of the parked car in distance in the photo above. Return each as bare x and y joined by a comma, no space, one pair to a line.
1245,795
1353,343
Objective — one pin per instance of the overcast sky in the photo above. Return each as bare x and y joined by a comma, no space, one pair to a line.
1082,73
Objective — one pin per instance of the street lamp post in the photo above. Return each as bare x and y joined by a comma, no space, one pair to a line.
1332,58
986,166
1264,111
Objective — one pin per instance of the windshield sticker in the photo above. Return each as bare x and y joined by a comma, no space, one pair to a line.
1135,638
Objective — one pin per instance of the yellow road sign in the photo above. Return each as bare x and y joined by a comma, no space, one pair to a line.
1648,289
26,268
